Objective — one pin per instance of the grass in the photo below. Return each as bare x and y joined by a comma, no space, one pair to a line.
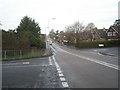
23,54
33,54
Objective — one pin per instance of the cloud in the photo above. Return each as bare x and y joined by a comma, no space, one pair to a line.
101,12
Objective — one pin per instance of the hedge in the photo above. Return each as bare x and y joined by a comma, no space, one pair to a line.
95,44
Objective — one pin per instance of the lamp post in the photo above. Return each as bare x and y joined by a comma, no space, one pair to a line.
48,28
49,24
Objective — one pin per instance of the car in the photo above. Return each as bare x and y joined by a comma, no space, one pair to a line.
50,42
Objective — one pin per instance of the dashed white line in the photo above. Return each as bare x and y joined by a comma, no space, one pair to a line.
62,78
50,61
65,84
61,75
59,71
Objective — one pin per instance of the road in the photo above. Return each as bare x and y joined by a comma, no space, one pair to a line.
87,69
67,68
30,73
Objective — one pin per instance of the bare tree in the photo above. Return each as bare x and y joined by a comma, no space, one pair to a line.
90,26
73,32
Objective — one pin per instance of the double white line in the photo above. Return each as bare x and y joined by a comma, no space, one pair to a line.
94,60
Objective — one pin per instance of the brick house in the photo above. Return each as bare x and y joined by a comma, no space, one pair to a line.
113,33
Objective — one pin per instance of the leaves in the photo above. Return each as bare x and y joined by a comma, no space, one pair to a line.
26,36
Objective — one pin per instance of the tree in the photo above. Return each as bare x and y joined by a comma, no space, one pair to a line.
28,33
28,24
79,27
52,33
90,26
9,40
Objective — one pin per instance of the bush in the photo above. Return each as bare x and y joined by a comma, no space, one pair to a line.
94,44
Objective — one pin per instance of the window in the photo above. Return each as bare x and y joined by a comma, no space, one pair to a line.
114,33
109,33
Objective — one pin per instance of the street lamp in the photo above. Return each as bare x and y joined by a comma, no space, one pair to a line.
49,24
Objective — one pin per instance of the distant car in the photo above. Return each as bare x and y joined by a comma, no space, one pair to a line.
50,43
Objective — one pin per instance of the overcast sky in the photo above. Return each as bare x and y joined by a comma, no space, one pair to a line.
101,12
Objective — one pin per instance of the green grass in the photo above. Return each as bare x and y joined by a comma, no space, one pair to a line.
34,53
24,54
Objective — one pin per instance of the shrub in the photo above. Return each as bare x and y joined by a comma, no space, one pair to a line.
94,44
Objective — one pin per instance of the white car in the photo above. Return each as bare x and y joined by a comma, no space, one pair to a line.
50,42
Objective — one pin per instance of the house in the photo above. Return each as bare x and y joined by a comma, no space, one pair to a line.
113,33
102,33
97,34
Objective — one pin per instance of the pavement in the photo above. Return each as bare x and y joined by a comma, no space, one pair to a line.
113,51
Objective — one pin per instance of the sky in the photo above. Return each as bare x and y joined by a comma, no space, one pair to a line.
102,13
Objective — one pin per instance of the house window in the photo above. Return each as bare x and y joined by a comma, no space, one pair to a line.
114,33
109,33
111,30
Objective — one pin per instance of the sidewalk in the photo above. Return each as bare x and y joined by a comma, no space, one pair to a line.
110,51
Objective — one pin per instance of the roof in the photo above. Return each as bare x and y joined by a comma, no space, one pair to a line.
116,28
102,33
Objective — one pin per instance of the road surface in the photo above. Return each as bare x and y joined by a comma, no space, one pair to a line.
85,69
67,68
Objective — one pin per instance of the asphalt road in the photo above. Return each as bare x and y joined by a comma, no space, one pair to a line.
30,73
67,68
87,69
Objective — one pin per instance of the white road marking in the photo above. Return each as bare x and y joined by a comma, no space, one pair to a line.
54,49
26,62
59,71
62,78
50,61
65,84
94,60
24,66
16,63
61,75
54,53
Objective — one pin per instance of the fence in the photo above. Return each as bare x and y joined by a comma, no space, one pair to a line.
16,54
